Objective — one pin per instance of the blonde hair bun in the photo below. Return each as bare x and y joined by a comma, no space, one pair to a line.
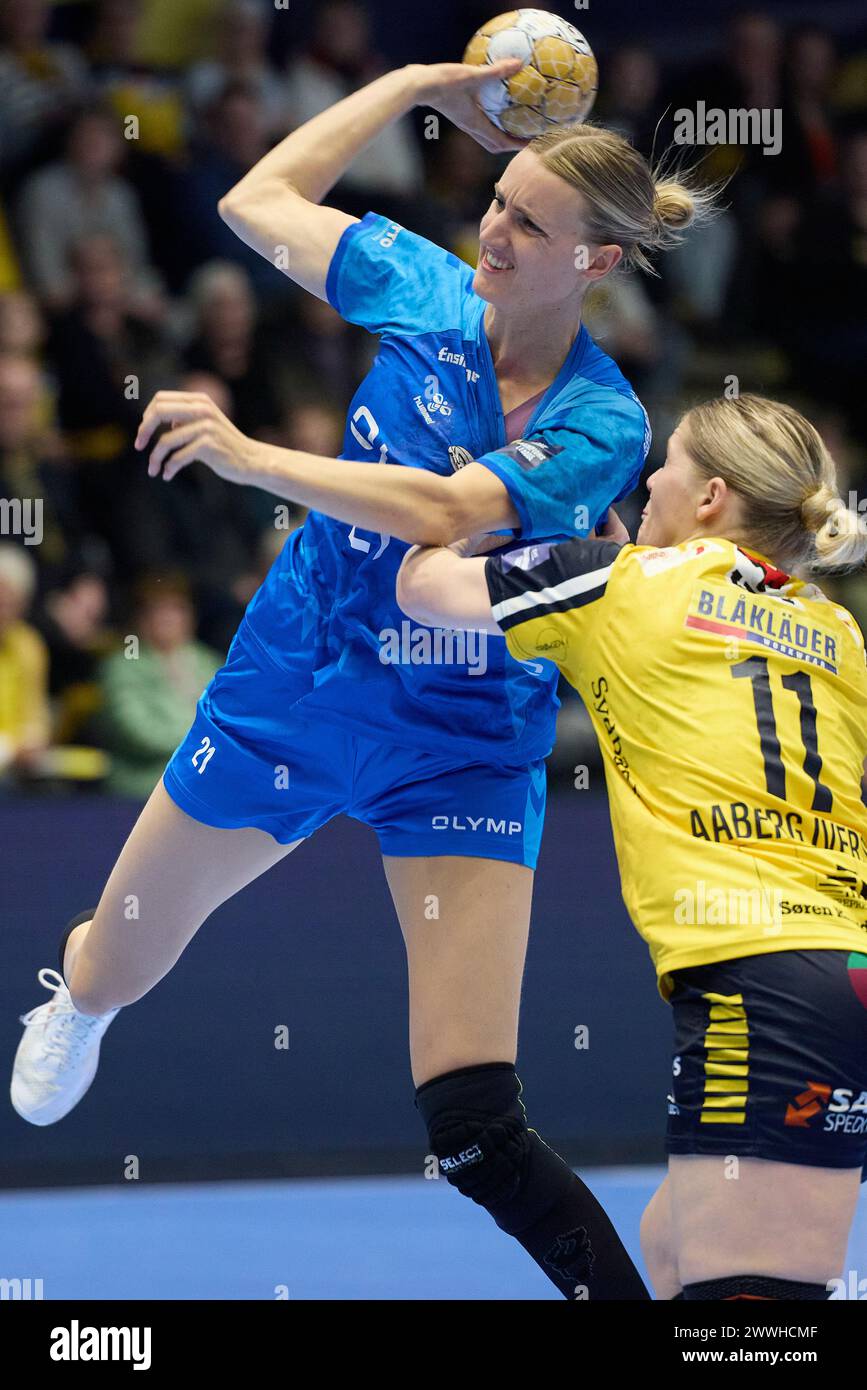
777,464
840,535
674,205
819,507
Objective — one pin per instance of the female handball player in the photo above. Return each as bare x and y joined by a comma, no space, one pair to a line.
488,409
729,700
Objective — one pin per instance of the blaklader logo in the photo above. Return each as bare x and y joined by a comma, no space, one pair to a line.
77,1343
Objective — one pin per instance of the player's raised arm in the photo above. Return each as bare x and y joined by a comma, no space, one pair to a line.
276,204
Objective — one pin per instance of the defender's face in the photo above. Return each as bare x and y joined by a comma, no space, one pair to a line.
529,239
675,491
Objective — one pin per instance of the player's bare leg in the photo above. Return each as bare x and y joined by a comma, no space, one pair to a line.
737,1216
657,1244
465,924
172,873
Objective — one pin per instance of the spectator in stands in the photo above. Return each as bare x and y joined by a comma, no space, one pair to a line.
242,56
25,719
460,178
106,361
339,59
40,82
22,327
36,486
831,274
227,344
73,623
10,270
314,427
130,85
322,355
809,158
205,526
233,140
81,196
150,688
629,98
23,333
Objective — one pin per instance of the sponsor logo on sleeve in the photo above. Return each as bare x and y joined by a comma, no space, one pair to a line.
530,453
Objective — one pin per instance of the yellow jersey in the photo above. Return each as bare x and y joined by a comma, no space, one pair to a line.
730,703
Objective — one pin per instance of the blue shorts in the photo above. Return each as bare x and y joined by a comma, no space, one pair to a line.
250,760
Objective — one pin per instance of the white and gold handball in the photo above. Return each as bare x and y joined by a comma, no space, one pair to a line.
556,85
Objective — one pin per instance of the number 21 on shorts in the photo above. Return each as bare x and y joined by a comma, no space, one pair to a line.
205,751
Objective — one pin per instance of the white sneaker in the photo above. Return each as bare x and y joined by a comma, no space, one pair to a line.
57,1056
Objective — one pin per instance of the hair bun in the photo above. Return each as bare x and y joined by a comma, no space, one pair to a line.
673,205
839,534
820,508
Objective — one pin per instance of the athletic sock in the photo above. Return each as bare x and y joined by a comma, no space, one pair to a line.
67,932
574,1242
754,1287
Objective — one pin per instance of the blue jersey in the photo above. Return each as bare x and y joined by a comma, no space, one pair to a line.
327,612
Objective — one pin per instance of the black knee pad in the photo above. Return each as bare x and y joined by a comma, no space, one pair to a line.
478,1130
753,1286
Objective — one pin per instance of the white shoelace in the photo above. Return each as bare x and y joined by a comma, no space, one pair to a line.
67,1031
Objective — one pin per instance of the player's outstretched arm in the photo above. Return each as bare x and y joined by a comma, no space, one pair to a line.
276,205
412,504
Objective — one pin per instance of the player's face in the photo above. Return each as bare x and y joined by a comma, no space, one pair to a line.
529,240
675,491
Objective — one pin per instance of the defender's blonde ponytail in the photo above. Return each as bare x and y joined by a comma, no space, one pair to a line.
776,462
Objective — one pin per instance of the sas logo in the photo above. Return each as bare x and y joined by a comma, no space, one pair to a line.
844,1110
808,1105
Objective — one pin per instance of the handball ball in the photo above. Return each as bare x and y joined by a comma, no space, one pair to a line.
556,85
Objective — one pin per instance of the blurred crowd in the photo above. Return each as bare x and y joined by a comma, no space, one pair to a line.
123,122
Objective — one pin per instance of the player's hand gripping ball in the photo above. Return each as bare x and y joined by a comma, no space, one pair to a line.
556,85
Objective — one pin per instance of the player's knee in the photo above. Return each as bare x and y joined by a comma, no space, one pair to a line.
478,1132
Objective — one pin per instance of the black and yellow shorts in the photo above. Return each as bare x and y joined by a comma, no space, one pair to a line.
771,1058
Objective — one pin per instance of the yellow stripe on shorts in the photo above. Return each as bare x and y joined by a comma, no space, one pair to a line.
726,1067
